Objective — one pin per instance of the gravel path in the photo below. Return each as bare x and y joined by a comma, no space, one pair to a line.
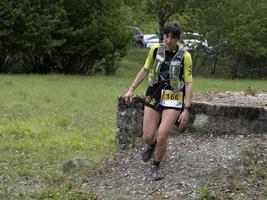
233,98
192,161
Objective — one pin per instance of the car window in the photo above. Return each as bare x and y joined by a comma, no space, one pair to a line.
149,36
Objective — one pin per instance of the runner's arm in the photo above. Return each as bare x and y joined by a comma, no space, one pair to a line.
142,74
188,94
184,117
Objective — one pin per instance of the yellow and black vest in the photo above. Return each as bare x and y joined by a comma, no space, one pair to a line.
175,68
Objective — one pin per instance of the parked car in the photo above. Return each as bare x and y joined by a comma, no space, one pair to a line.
151,39
190,41
194,41
138,36
148,37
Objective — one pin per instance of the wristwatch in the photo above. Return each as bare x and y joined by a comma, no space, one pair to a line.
188,108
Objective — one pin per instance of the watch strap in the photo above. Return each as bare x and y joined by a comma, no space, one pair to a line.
188,108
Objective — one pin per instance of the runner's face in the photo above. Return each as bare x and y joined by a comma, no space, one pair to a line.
170,41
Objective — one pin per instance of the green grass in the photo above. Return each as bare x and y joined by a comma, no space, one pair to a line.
46,120
223,85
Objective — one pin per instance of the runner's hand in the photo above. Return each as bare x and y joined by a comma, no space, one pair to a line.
183,118
129,96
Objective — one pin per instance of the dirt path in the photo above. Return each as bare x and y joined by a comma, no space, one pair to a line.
193,162
233,98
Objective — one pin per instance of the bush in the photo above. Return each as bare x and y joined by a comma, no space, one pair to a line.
71,36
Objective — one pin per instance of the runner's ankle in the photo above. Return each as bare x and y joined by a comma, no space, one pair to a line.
153,145
155,163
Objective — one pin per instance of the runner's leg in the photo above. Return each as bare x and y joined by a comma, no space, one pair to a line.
168,118
150,124
151,121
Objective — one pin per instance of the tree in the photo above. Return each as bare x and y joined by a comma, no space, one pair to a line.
241,38
163,10
29,27
98,38
76,36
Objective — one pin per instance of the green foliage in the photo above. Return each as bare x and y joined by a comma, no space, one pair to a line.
75,36
30,28
241,38
98,39
86,36
163,10
250,91
206,194
135,12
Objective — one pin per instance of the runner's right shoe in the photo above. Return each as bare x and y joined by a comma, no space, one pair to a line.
156,173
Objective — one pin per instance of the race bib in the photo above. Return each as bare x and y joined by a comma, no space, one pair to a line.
170,98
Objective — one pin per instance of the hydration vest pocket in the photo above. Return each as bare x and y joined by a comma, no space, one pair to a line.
174,75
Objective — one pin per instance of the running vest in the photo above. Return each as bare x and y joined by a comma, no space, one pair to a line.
175,66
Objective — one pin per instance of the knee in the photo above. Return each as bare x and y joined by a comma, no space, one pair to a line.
148,137
162,139
162,136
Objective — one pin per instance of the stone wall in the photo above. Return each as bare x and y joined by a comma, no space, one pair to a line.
129,120
229,119
205,117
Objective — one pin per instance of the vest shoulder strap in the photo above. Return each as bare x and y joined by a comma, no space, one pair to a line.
180,54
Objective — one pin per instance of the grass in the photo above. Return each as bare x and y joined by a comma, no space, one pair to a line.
47,120
223,85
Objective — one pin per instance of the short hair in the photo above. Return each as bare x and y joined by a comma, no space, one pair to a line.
172,27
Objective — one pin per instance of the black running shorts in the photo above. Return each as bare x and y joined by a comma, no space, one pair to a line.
153,95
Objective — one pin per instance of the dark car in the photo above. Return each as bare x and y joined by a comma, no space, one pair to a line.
138,36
